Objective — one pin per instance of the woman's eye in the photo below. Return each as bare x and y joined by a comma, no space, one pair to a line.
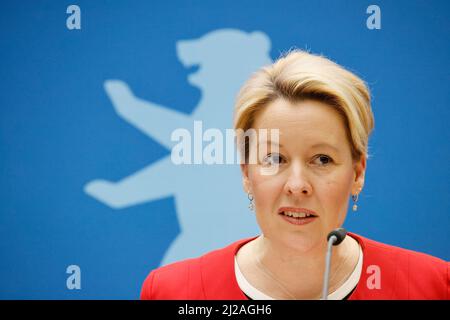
324,160
272,159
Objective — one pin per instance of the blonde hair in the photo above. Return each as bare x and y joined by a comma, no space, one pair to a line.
299,75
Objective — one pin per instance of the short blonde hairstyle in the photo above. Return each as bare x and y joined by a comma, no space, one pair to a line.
298,75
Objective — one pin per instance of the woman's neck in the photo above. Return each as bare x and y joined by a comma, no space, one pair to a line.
300,274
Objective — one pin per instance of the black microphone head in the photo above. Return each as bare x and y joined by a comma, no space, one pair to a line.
340,234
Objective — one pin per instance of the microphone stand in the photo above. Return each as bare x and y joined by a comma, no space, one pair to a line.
335,237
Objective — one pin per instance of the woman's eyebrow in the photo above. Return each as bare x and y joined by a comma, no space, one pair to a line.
323,144
314,146
271,142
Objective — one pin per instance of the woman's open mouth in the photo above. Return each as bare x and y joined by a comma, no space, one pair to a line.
297,218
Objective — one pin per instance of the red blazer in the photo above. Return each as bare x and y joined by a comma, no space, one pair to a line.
388,273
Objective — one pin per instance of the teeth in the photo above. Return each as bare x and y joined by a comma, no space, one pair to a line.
297,214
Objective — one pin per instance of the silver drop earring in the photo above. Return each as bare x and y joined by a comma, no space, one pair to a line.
355,199
251,206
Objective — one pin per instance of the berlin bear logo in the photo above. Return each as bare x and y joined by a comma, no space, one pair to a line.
210,203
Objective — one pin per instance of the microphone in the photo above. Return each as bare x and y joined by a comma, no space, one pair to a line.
334,238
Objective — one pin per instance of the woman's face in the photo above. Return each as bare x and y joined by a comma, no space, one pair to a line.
314,170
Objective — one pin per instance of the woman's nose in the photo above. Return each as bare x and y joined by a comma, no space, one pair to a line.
298,183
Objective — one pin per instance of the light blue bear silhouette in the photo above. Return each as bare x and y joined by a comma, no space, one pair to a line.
212,208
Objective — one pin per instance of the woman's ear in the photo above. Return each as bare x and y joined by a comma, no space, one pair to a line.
359,174
245,179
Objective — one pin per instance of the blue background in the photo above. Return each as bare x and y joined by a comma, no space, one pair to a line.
59,130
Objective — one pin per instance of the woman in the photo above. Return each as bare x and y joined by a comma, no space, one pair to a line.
299,190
